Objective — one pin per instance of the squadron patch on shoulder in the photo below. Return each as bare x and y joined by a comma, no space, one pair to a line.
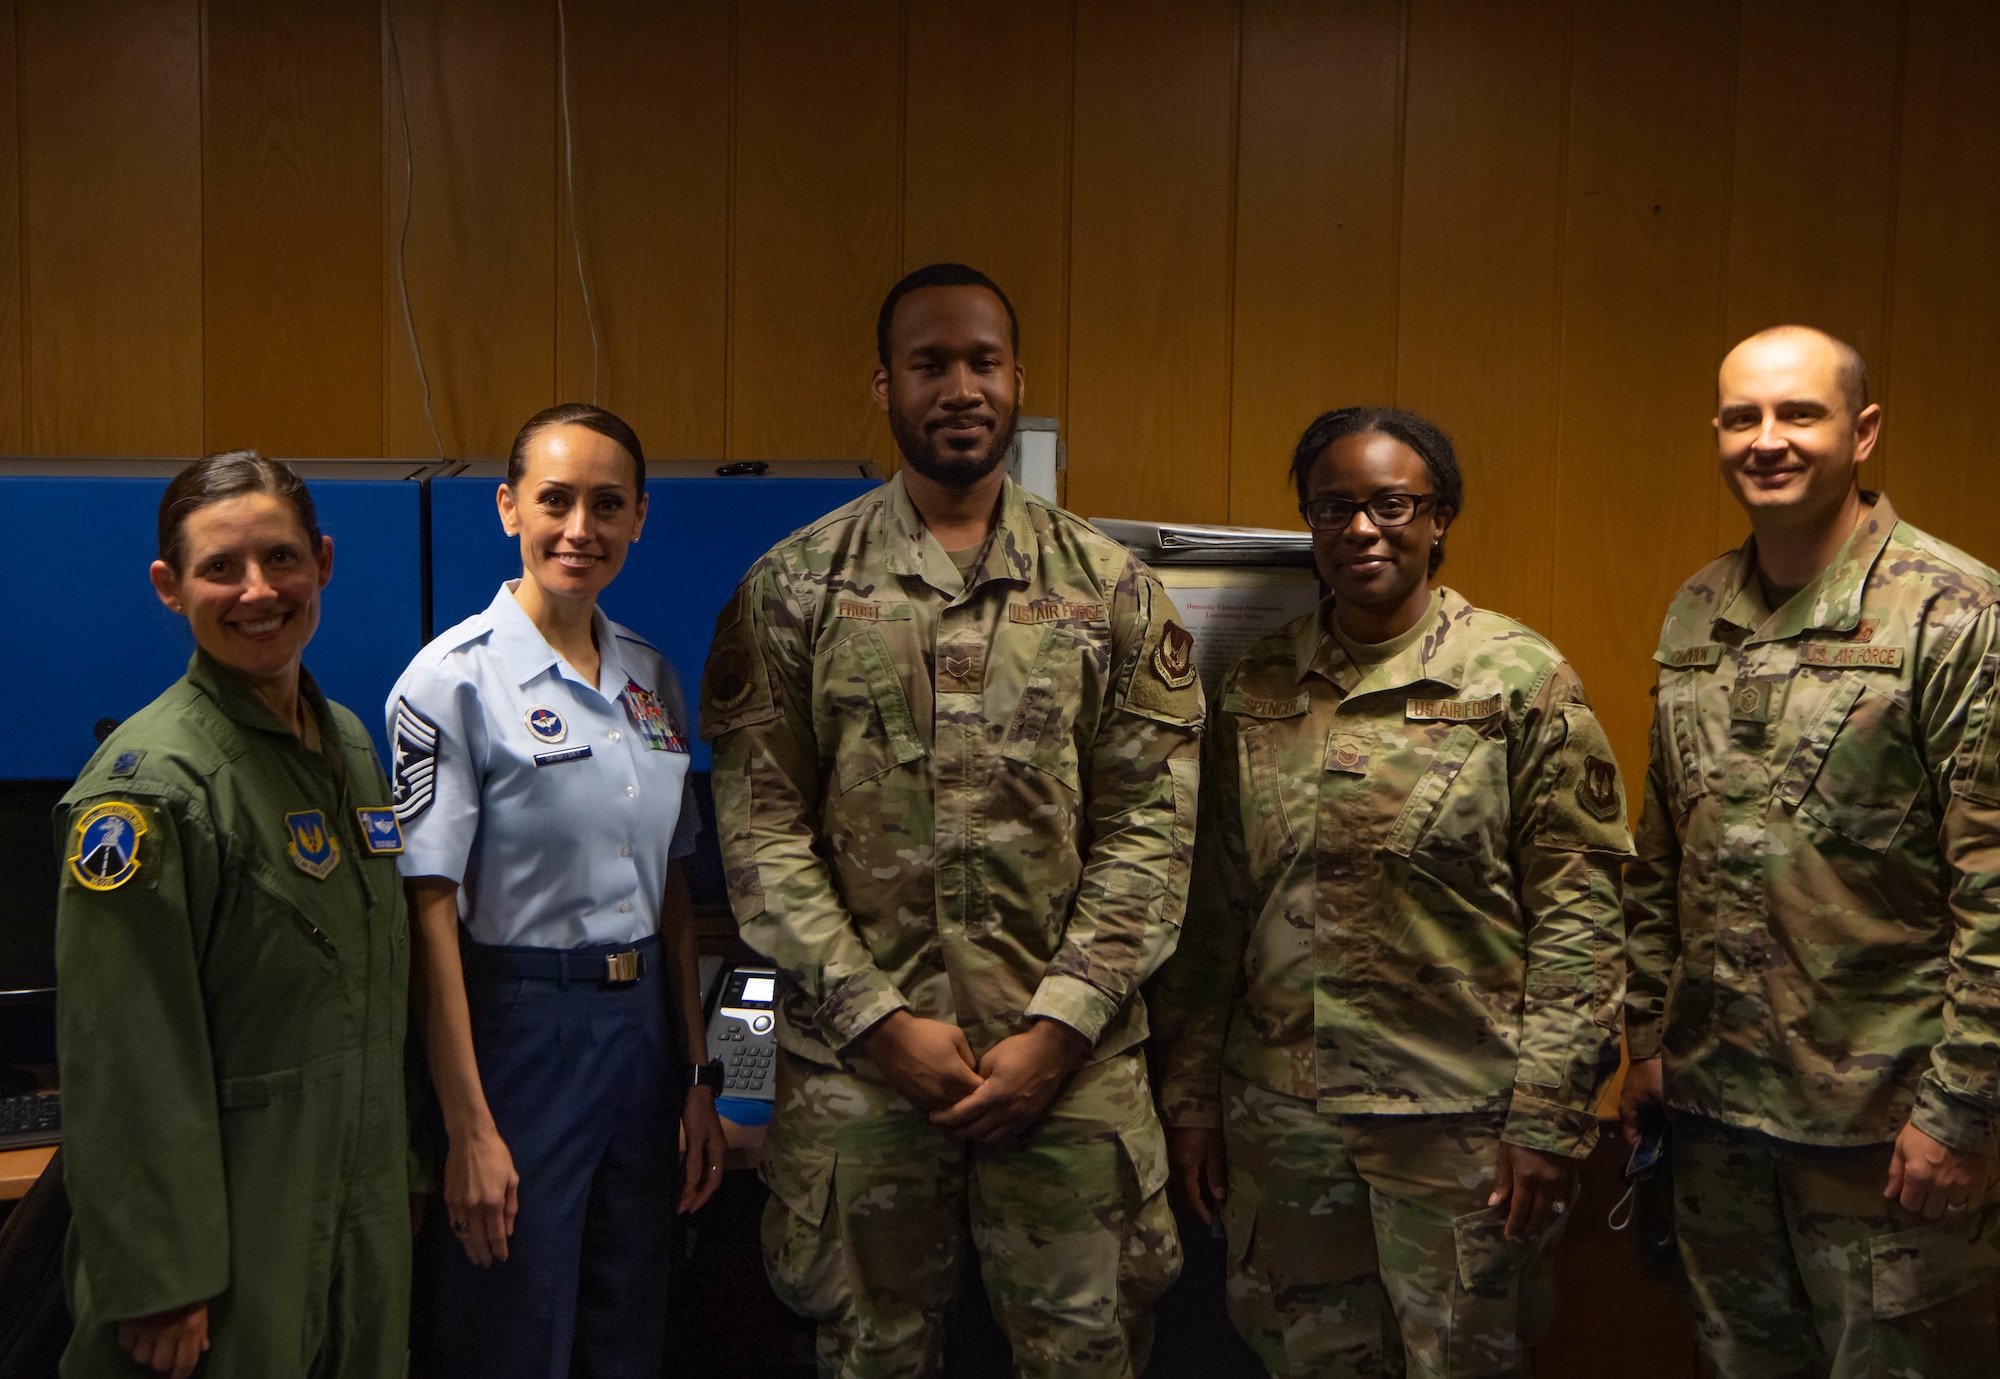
729,682
1597,789
107,845
311,844
1173,658
414,752
546,724
380,833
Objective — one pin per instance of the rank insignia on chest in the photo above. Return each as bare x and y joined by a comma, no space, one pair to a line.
1348,755
107,845
313,848
1750,701
1173,659
650,716
546,724
380,833
1597,789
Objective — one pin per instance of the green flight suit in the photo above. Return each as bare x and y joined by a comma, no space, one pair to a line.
231,997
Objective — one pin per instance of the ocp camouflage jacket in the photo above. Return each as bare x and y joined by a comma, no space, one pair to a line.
1814,942
974,798
1406,885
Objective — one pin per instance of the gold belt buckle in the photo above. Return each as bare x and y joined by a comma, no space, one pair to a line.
622,967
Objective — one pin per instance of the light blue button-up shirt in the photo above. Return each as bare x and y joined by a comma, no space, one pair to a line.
555,804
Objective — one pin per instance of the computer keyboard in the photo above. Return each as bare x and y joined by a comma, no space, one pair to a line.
29,1119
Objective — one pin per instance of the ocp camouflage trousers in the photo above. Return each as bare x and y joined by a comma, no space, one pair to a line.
1360,1244
872,1207
1797,1265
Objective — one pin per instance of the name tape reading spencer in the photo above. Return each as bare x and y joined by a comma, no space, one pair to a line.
1851,654
1055,610
1276,708
1452,710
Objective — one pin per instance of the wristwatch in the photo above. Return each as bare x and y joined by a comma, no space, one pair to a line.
707,1074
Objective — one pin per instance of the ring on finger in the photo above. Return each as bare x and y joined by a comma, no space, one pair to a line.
1559,1208
1954,1207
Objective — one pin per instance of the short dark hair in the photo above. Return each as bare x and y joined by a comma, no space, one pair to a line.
1432,445
1850,370
939,275
587,415
230,474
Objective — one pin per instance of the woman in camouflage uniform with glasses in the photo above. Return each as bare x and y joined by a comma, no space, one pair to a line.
1395,1001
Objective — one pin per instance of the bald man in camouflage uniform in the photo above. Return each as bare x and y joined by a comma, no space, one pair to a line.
955,771
1814,938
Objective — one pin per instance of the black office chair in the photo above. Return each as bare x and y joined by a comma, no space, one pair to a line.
34,1319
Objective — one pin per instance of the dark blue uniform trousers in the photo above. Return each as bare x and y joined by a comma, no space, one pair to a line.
585,1084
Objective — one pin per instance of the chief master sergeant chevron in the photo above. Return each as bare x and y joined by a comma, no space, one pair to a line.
955,766
1814,941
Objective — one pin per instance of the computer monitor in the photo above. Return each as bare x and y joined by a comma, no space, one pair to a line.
28,873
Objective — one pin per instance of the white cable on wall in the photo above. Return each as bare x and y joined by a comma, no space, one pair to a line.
403,235
569,182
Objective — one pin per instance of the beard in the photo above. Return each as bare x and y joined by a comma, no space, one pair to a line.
922,453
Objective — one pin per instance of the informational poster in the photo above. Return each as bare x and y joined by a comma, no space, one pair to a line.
1229,608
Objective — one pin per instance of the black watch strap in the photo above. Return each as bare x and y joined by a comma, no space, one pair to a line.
707,1074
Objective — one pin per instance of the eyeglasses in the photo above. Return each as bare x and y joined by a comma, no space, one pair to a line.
1384,510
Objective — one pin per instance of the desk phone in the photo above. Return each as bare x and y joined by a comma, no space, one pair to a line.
743,1033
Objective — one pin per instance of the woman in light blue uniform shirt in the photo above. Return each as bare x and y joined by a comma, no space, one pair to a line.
541,760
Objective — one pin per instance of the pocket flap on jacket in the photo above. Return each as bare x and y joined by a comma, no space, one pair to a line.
799,1174
1146,1146
258,1089
1926,1265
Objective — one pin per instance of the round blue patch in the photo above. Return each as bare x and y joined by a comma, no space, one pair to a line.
546,724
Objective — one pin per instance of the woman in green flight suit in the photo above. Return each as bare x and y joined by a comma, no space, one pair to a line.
232,954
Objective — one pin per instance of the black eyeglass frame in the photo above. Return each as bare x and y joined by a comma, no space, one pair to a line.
1419,502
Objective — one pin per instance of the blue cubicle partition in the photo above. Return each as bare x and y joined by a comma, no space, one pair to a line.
701,535
89,639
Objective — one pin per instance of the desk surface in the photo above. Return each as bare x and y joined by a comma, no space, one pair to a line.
19,1168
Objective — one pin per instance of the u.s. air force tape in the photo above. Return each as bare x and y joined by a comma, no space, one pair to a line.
414,750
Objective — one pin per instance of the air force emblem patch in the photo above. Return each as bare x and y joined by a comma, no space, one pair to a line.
546,724
313,848
1173,658
1597,789
380,833
107,845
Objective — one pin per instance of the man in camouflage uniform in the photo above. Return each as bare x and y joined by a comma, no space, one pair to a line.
1395,1004
1814,946
955,740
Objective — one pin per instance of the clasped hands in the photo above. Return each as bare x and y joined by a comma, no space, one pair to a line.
985,1100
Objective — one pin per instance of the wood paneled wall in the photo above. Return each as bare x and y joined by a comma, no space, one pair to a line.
1540,221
